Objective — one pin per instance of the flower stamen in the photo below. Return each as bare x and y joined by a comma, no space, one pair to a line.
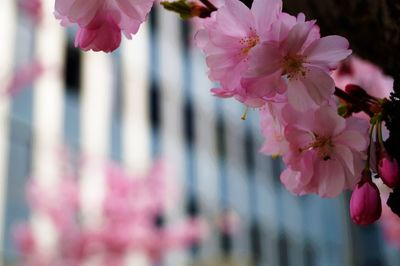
249,42
293,66
323,145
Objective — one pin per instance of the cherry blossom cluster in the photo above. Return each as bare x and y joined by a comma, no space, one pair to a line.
269,59
132,213
279,63
327,126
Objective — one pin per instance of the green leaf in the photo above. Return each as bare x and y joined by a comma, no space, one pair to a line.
343,110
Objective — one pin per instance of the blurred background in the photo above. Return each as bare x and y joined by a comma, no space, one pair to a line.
150,100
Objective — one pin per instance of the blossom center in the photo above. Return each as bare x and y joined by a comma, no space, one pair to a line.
293,65
249,42
323,146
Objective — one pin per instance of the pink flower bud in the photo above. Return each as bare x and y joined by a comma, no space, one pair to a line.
365,203
388,170
356,91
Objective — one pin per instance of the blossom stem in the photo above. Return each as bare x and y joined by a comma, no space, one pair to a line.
379,134
209,5
367,163
350,99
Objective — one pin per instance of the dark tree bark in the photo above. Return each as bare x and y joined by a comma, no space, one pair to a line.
371,26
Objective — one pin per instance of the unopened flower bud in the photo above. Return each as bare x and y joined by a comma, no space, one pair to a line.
365,203
356,91
388,170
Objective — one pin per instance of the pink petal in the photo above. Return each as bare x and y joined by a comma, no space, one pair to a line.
328,123
299,97
222,92
331,177
222,60
83,11
264,87
135,9
358,124
320,86
265,13
289,180
345,157
353,139
228,15
264,59
201,38
106,37
227,42
297,37
328,50
297,138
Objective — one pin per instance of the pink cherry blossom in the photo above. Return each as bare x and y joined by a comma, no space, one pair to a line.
365,203
229,36
299,64
97,18
326,152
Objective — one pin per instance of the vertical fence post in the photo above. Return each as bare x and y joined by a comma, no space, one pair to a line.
172,138
95,135
48,107
136,153
8,20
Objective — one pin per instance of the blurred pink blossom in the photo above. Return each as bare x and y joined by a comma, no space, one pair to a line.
60,204
23,76
229,222
365,74
130,210
32,8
